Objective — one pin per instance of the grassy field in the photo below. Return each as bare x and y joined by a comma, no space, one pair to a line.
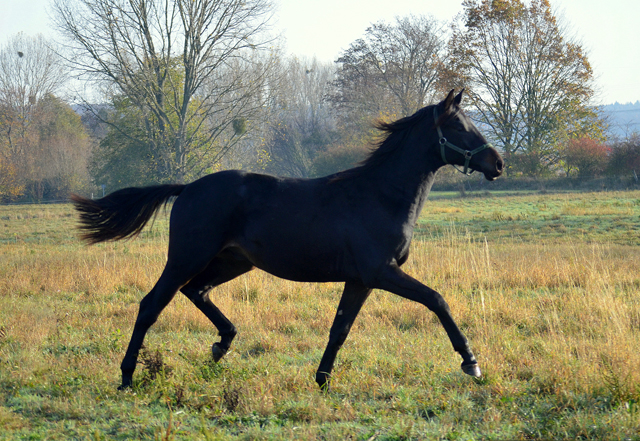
544,286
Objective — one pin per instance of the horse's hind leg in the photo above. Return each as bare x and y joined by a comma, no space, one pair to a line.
353,298
150,308
177,273
221,269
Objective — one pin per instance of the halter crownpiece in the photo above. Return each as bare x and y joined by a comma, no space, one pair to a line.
466,153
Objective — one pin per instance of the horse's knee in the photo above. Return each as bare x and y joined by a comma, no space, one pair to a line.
146,318
149,311
437,304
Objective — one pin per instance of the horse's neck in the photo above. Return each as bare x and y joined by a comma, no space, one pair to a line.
408,184
423,188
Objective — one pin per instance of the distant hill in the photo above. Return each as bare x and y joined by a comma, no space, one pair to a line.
624,119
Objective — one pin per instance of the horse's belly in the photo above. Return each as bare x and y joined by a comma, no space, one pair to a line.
307,263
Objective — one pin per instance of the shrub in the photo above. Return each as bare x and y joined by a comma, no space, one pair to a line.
625,157
585,157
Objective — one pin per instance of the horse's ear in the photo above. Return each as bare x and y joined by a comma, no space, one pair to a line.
458,98
448,100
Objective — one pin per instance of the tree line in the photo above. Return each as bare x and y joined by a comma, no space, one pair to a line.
170,91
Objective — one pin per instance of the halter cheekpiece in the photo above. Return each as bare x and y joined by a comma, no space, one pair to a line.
466,153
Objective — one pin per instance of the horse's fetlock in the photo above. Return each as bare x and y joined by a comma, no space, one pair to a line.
467,356
229,334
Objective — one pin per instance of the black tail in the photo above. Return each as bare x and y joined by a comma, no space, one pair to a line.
123,213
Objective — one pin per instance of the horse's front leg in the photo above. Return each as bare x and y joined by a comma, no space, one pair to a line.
353,298
394,280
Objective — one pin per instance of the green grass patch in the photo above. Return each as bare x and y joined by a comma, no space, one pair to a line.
590,217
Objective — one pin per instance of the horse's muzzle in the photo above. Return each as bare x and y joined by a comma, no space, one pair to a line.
492,166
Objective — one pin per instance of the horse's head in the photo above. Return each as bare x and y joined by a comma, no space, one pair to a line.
461,143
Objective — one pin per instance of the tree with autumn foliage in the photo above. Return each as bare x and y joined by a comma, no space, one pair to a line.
530,82
10,185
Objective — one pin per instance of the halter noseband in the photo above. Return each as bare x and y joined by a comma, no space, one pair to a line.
466,153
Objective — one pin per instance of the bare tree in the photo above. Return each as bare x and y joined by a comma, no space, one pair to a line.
29,69
394,69
30,72
302,124
184,63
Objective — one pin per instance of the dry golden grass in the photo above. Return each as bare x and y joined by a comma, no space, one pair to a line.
554,323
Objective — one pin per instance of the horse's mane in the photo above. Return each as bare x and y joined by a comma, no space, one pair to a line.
396,132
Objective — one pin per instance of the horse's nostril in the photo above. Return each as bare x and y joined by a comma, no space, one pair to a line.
499,164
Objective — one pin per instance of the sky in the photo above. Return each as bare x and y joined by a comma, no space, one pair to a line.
608,30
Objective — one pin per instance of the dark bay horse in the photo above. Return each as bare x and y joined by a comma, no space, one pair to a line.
353,227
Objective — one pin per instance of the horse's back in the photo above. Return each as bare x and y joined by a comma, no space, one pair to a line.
272,221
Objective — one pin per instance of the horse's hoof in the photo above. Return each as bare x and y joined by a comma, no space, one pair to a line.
472,369
322,378
126,385
217,352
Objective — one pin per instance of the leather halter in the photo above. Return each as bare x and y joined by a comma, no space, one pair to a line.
466,153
